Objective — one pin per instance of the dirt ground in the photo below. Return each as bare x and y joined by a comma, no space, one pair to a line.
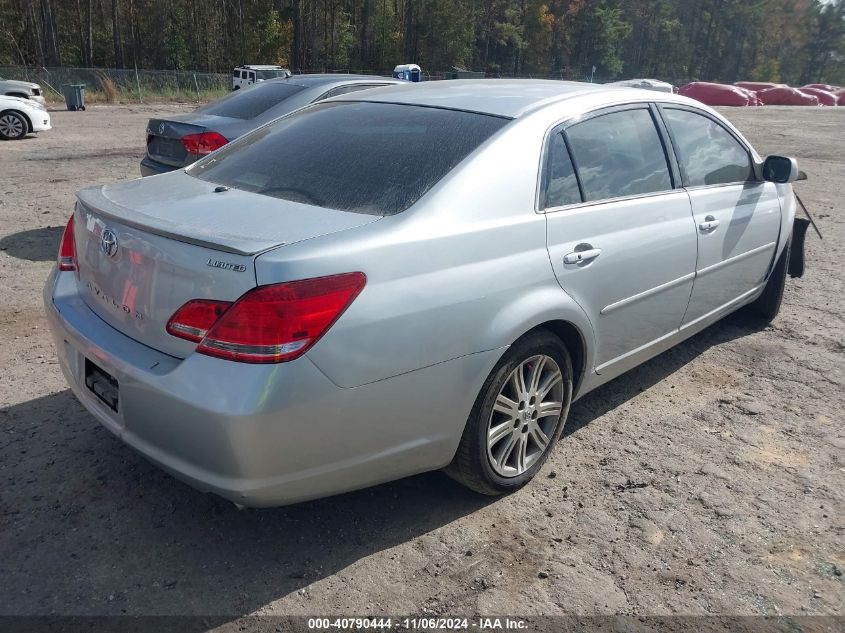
709,481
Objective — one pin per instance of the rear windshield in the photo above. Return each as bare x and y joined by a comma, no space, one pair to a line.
270,74
375,158
251,102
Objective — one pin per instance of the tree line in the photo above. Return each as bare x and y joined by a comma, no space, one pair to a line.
795,41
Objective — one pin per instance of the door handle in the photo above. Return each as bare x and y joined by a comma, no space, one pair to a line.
710,223
577,257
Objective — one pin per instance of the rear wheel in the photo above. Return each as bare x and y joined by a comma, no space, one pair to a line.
517,417
12,126
767,305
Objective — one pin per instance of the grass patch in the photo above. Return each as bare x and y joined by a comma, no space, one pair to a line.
108,87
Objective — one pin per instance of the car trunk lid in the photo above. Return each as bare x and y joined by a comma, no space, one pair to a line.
144,251
164,136
164,144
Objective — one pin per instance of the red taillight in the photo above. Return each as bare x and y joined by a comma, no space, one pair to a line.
269,324
193,320
67,250
204,143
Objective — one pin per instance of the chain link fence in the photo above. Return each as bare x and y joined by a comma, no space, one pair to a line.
125,85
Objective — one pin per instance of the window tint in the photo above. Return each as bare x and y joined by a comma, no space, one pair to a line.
236,74
271,74
248,104
561,185
365,157
708,153
619,154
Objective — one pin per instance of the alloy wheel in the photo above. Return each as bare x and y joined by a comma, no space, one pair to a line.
525,416
11,126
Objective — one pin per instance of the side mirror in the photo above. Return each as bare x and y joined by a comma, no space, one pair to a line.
780,169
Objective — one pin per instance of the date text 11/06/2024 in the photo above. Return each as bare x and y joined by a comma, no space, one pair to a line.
484,624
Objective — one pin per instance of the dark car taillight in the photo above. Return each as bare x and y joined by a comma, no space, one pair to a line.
203,143
67,250
268,324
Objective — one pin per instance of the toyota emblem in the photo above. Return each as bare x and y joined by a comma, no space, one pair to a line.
108,243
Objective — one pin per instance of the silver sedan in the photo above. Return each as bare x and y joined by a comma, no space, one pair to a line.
409,279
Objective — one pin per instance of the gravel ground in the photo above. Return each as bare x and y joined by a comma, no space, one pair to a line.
710,480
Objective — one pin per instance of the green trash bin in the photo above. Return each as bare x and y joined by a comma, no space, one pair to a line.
74,96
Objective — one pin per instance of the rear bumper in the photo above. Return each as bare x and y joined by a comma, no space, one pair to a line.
262,435
150,167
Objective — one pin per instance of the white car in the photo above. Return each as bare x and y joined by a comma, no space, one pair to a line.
19,117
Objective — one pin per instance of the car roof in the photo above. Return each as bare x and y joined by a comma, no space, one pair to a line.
327,78
501,97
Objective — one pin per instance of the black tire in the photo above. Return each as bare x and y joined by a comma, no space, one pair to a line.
767,306
19,130
471,465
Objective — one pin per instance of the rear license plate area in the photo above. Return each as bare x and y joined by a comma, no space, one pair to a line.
101,384
170,148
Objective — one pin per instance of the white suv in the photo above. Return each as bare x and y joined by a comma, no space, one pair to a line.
22,89
244,76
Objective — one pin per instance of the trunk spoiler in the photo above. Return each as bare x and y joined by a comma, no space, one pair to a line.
95,200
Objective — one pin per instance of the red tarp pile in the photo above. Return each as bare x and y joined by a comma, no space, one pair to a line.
835,91
754,86
784,95
781,94
825,97
719,94
750,93
825,87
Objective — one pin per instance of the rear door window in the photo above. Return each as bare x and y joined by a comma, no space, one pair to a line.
619,154
561,185
707,152
376,158
248,104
